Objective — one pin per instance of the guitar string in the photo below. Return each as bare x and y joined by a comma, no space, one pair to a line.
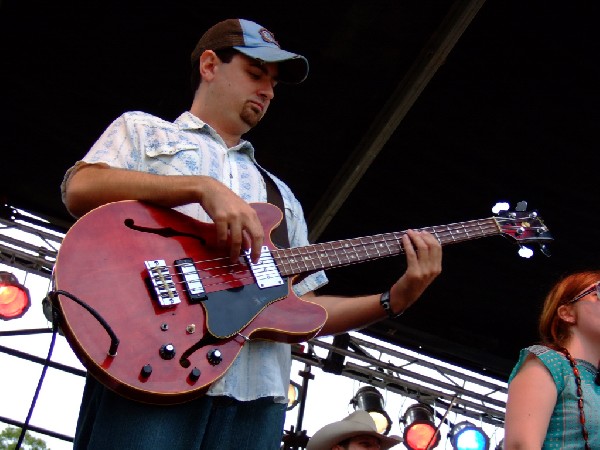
375,242
310,252
345,255
357,243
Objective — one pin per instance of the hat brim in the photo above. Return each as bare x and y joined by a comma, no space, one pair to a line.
293,68
334,433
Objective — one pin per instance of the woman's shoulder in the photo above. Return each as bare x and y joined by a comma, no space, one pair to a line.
554,361
545,354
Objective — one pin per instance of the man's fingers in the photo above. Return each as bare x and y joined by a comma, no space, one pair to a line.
256,236
239,234
236,240
423,252
222,228
409,249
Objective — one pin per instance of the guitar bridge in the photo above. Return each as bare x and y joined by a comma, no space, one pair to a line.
162,283
265,271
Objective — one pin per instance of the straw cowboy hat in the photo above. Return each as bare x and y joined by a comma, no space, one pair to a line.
358,423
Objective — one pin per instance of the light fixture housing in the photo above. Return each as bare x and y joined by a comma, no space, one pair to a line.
14,297
420,432
294,395
369,399
466,436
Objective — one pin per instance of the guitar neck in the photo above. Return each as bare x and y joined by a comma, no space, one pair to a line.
298,260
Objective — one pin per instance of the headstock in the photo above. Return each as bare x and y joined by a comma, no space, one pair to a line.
525,227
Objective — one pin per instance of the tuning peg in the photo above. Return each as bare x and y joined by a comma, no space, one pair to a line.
525,252
500,206
545,250
521,206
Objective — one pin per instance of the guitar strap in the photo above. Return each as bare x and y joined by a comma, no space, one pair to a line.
279,237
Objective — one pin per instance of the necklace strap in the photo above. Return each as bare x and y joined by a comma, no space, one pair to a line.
573,364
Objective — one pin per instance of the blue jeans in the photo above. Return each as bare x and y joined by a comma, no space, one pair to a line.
108,421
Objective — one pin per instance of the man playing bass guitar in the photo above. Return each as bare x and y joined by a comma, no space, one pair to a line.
200,166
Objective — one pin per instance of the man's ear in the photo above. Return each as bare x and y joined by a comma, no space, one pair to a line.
208,62
567,313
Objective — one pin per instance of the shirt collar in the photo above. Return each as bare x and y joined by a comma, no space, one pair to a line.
188,121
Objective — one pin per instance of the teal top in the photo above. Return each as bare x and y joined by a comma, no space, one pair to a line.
564,430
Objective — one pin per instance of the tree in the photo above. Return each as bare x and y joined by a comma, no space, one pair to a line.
10,436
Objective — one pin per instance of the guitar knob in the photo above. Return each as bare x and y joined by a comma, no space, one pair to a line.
146,371
167,351
195,374
214,357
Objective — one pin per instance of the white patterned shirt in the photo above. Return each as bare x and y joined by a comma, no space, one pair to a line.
142,142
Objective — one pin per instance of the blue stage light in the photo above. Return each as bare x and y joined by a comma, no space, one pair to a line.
466,436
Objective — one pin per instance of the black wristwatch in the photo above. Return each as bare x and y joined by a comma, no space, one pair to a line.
384,301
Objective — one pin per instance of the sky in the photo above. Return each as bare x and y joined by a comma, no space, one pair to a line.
57,405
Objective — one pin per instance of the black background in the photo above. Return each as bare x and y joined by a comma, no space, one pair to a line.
511,115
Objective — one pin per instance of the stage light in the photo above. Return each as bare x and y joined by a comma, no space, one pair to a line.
294,395
14,297
466,436
369,399
420,432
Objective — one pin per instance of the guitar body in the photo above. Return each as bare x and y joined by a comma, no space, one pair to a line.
167,354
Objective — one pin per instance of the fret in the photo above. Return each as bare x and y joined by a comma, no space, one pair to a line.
372,246
311,258
331,256
306,258
343,251
396,240
335,246
458,232
466,231
293,263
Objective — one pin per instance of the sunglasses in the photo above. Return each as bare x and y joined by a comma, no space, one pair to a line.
593,288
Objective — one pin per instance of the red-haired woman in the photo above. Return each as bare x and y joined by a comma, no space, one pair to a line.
554,393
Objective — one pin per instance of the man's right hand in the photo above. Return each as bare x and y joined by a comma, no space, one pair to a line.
237,223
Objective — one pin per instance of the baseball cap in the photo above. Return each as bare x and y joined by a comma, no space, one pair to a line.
255,41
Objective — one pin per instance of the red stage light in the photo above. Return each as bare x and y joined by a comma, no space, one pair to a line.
420,432
14,297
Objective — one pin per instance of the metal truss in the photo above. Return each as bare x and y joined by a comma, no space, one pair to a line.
411,375
17,232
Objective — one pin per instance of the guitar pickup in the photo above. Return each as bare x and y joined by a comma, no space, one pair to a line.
265,271
191,280
162,283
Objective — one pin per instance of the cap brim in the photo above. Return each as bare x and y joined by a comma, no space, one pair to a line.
293,68
333,434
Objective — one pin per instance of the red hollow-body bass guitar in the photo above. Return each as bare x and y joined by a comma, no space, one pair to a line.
156,312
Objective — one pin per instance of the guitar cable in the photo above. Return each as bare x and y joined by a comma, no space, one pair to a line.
114,340
42,376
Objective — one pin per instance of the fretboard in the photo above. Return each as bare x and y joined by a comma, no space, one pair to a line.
298,260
